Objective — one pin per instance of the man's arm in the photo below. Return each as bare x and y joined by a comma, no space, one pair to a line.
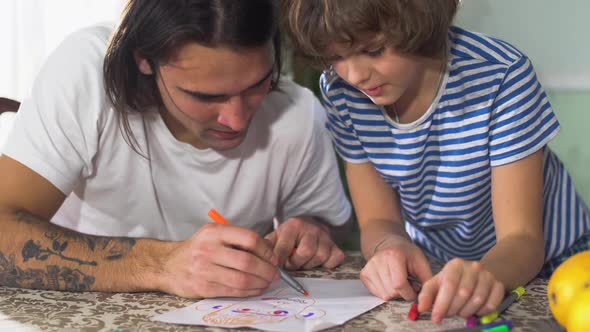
37,254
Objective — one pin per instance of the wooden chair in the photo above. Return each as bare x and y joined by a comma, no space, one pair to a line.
8,105
9,108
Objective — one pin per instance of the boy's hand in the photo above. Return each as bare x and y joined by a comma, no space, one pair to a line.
461,288
302,243
393,262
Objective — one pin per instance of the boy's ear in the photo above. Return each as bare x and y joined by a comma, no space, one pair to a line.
142,63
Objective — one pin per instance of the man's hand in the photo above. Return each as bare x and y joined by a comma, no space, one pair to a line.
219,261
303,243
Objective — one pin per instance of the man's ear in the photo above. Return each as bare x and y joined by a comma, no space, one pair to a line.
143,64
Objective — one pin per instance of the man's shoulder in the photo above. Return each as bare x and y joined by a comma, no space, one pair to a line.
87,41
74,70
80,56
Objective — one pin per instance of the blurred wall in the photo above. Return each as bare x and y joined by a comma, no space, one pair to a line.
554,35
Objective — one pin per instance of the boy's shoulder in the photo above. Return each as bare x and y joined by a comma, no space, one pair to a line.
466,45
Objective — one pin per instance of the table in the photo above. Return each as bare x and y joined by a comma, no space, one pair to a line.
39,310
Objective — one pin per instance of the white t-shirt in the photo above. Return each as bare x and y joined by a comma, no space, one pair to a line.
67,132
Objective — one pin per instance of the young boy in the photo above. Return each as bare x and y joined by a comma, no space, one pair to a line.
444,133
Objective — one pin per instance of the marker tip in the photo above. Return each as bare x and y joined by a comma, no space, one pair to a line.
305,293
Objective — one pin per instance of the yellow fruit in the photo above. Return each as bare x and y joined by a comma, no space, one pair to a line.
567,280
578,319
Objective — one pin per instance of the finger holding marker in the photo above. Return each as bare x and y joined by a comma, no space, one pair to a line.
205,265
244,261
248,241
237,279
217,218
241,245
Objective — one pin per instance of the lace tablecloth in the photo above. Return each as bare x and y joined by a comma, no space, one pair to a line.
36,310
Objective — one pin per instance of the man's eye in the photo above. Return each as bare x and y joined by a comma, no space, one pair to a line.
210,99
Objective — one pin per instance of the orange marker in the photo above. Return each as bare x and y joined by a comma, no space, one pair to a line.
219,219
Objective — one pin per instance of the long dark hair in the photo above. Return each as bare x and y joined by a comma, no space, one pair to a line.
156,28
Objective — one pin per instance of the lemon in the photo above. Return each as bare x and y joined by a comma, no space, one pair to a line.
578,319
567,280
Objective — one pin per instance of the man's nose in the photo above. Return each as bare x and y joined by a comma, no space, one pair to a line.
234,114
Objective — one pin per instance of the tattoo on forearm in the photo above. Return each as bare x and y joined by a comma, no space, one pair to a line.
24,216
110,248
34,250
53,277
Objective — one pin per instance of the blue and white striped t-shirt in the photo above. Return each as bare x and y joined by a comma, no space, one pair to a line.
490,111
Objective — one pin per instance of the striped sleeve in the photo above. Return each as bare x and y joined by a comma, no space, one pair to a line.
522,120
339,123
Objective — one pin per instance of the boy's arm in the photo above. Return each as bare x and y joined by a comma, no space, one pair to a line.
517,203
391,255
376,205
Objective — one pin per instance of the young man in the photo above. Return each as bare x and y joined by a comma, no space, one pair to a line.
130,137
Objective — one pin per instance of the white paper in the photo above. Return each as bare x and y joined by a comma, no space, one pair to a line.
280,308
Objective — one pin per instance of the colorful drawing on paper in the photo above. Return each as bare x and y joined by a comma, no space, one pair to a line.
270,308
280,308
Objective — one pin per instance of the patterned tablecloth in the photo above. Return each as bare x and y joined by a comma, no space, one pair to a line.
34,310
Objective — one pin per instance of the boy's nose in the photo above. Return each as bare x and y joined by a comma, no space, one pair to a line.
356,73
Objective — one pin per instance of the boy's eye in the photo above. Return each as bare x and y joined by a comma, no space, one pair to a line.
375,52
